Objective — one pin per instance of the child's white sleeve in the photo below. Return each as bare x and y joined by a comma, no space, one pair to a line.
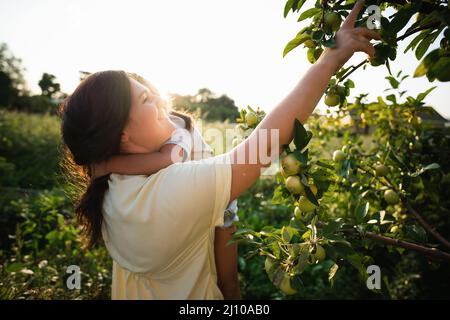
182,138
230,214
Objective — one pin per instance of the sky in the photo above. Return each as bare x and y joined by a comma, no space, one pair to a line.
232,47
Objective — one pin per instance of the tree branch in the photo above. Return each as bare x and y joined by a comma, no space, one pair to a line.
354,68
429,228
430,252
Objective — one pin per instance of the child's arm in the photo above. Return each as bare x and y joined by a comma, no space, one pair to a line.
226,258
141,163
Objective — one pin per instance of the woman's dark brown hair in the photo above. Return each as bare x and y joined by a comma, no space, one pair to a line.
93,119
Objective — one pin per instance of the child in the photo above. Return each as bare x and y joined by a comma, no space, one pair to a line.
186,143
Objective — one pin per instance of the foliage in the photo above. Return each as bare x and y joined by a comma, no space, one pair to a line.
46,242
12,82
206,105
49,86
350,215
28,150
424,20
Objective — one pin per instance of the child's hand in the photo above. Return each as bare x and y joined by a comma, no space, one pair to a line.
175,152
99,169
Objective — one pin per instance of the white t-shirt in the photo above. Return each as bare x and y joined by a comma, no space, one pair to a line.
159,230
196,148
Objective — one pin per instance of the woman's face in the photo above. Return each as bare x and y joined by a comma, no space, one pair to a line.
148,126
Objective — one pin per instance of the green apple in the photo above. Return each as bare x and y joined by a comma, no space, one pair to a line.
305,205
294,185
285,286
283,173
339,155
391,197
332,99
268,264
332,21
291,165
309,43
381,170
251,119
320,253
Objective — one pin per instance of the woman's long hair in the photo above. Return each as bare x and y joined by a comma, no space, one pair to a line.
93,119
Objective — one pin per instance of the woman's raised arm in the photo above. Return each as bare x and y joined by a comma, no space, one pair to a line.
299,103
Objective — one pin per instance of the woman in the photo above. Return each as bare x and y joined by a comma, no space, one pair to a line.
159,229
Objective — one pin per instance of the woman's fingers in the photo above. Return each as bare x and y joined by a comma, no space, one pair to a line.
364,45
351,18
367,33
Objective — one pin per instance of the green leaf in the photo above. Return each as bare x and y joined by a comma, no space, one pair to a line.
330,228
302,258
356,261
334,268
310,196
416,233
440,69
361,211
308,14
294,43
301,136
401,18
381,102
278,196
425,44
417,39
422,95
288,232
330,43
342,249
288,6
325,165
394,83
349,84
421,70
277,276
301,156
432,166
392,98
14,267
300,5
317,35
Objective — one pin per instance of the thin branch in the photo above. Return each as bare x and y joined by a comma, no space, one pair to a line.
430,252
354,68
421,28
428,227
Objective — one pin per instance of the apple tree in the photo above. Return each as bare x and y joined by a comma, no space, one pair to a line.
368,175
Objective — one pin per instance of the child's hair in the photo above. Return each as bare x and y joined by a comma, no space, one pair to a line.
188,119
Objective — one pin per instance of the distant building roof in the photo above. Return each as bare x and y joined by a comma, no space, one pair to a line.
430,114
